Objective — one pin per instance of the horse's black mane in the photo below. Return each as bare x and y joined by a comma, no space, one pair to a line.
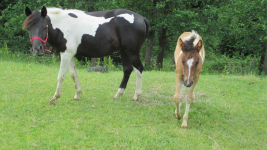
31,20
188,44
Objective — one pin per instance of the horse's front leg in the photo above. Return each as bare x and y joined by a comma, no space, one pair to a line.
74,76
178,96
64,64
189,101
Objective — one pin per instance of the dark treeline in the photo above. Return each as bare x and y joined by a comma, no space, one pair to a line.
235,28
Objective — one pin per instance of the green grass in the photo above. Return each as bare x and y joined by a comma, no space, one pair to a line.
229,111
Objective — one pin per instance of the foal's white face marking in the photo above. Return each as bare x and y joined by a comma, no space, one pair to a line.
189,63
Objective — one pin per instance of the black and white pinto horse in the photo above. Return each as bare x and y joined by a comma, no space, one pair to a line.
93,34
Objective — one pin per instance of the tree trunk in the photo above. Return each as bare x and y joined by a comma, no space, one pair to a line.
151,34
265,61
149,48
162,44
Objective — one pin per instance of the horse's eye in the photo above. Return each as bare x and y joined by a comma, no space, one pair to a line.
183,61
197,62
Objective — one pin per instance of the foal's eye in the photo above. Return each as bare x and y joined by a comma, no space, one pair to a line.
197,62
183,61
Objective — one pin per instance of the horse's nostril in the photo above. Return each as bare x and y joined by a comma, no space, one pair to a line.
41,47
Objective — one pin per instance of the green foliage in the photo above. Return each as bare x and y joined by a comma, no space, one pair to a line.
215,64
235,28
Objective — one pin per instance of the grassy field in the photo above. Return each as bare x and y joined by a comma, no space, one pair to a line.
229,111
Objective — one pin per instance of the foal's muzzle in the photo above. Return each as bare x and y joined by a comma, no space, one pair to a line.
188,83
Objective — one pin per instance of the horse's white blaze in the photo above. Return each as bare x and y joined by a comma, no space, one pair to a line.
189,63
128,17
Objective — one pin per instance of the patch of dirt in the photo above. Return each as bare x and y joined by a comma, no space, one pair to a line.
153,88
148,103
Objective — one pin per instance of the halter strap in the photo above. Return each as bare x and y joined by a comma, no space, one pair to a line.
43,41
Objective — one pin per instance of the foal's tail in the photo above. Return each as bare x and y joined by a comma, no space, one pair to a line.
147,25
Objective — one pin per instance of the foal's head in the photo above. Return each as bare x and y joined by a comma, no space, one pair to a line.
191,60
37,27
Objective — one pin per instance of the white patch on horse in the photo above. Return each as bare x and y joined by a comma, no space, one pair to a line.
193,33
189,63
202,56
138,89
84,24
128,17
119,93
196,40
178,57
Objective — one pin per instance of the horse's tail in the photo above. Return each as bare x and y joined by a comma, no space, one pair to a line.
147,25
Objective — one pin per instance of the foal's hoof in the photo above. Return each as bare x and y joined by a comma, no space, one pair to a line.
184,126
179,116
52,101
76,99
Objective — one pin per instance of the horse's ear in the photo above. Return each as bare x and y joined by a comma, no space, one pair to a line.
44,12
199,45
28,11
181,43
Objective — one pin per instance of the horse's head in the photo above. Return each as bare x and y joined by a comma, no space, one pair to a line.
191,60
38,29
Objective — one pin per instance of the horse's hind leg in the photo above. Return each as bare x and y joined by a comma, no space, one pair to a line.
127,70
135,60
74,76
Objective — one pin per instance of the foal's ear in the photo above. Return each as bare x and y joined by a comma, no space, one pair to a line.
181,43
28,12
199,45
43,11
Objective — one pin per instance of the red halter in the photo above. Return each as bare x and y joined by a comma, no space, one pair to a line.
43,41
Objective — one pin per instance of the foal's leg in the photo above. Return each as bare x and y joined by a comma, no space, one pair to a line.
178,96
189,101
74,76
136,62
127,70
64,64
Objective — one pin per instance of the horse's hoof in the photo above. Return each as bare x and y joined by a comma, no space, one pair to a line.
52,101
184,126
179,117
76,99
135,98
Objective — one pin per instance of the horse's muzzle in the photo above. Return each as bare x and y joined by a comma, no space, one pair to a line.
188,83
38,51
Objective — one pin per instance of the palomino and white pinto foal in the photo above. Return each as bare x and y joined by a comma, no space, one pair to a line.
189,58
93,34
